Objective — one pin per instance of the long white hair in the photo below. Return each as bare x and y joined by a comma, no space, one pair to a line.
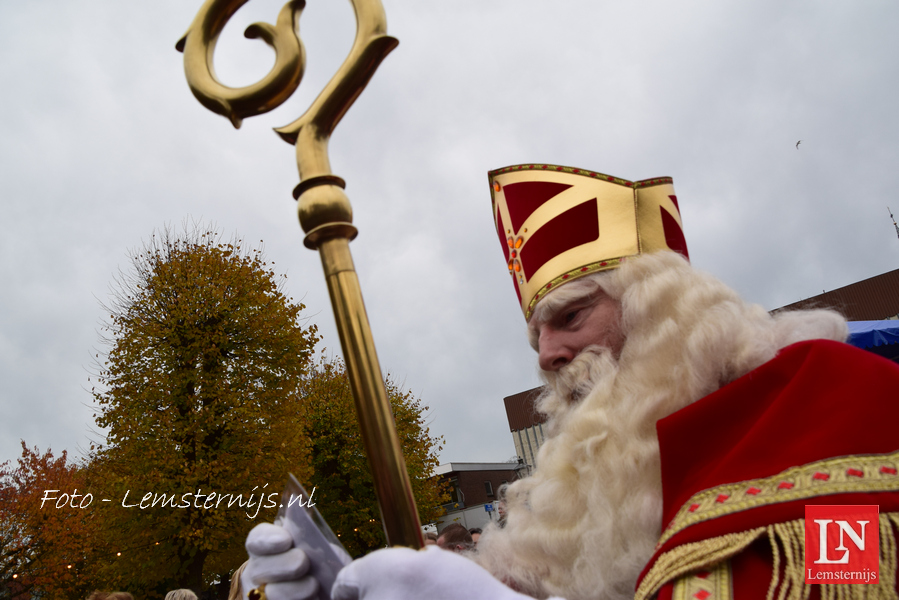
586,522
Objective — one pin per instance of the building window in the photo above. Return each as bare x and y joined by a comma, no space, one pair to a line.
456,492
488,487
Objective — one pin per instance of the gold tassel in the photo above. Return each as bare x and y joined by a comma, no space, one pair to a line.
788,551
791,537
888,562
775,552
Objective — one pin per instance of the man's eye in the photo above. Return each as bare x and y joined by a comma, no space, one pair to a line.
571,315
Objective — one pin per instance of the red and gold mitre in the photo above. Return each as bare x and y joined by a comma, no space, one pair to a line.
559,223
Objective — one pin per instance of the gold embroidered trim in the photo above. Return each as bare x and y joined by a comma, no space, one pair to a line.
584,172
714,584
696,556
687,562
873,473
603,265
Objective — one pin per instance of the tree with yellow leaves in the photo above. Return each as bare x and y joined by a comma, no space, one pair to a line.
200,396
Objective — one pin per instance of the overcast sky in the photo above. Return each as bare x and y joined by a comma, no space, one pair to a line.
102,142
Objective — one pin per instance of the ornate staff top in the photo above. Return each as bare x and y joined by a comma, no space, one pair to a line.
312,131
324,209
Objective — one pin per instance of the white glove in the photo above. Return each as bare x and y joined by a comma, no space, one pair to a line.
275,562
431,574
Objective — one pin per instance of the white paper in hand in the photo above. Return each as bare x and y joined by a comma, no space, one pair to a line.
312,535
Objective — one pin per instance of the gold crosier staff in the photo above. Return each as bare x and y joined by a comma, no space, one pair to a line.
324,209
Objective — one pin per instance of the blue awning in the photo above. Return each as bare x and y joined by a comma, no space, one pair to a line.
869,334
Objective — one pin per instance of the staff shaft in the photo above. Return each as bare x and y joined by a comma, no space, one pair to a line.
392,486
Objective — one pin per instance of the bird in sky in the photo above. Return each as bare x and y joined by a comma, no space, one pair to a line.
797,144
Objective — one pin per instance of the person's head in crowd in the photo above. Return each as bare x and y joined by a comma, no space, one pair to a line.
501,504
456,538
181,594
98,595
475,534
236,593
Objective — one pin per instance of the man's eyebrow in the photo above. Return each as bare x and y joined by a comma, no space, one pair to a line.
577,304
564,309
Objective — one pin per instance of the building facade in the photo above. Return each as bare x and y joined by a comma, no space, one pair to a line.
474,490
525,425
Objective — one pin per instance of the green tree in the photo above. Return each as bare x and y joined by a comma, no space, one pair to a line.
199,393
344,489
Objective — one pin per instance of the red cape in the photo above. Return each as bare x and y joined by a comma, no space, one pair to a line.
758,450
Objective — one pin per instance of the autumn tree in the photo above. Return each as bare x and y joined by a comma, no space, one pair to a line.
199,392
342,477
48,540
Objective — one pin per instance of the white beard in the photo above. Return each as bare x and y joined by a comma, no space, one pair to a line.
585,524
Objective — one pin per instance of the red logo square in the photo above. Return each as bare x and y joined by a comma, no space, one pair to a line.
842,544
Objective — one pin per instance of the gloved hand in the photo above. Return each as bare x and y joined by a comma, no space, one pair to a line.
431,574
275,562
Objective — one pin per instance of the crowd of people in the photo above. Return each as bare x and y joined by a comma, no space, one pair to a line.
235,591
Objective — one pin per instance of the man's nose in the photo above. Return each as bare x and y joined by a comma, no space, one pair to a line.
554,353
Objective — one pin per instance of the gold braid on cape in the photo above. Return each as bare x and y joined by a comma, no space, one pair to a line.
702,570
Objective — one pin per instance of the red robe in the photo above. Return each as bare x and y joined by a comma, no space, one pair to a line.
819,424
